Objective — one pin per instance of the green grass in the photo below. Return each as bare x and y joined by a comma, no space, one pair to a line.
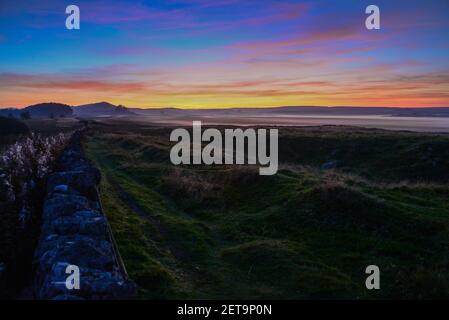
226,232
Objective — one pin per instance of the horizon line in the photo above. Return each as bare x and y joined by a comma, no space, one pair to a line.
230,108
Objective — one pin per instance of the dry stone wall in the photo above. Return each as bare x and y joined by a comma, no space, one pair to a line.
76,232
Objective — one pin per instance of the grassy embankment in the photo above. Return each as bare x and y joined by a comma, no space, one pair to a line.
226,232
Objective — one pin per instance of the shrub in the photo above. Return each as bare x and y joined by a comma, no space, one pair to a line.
27,162
24,167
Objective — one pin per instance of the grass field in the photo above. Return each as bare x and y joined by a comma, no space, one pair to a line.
226,232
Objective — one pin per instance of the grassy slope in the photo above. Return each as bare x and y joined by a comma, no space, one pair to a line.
229,233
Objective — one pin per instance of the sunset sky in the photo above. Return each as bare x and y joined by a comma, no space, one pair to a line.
225,53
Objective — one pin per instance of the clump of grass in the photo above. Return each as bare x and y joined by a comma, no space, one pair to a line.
193,188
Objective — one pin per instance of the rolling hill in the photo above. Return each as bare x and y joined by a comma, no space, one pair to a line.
40,110
101,109
49,110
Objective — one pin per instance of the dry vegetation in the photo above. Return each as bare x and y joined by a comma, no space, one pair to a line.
24,167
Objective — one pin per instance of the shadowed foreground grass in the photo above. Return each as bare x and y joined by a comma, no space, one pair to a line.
226,232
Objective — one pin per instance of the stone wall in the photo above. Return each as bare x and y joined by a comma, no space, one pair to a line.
76,232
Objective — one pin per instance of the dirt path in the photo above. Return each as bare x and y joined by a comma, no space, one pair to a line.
129,201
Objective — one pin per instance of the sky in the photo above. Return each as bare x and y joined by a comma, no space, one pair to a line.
225,53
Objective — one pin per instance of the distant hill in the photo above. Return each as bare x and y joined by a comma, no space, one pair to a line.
10,112
101,109
165,111
49,110
106,109
40,110
363,111
56,110
301,111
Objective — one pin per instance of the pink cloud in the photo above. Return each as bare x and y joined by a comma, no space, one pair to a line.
59,82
